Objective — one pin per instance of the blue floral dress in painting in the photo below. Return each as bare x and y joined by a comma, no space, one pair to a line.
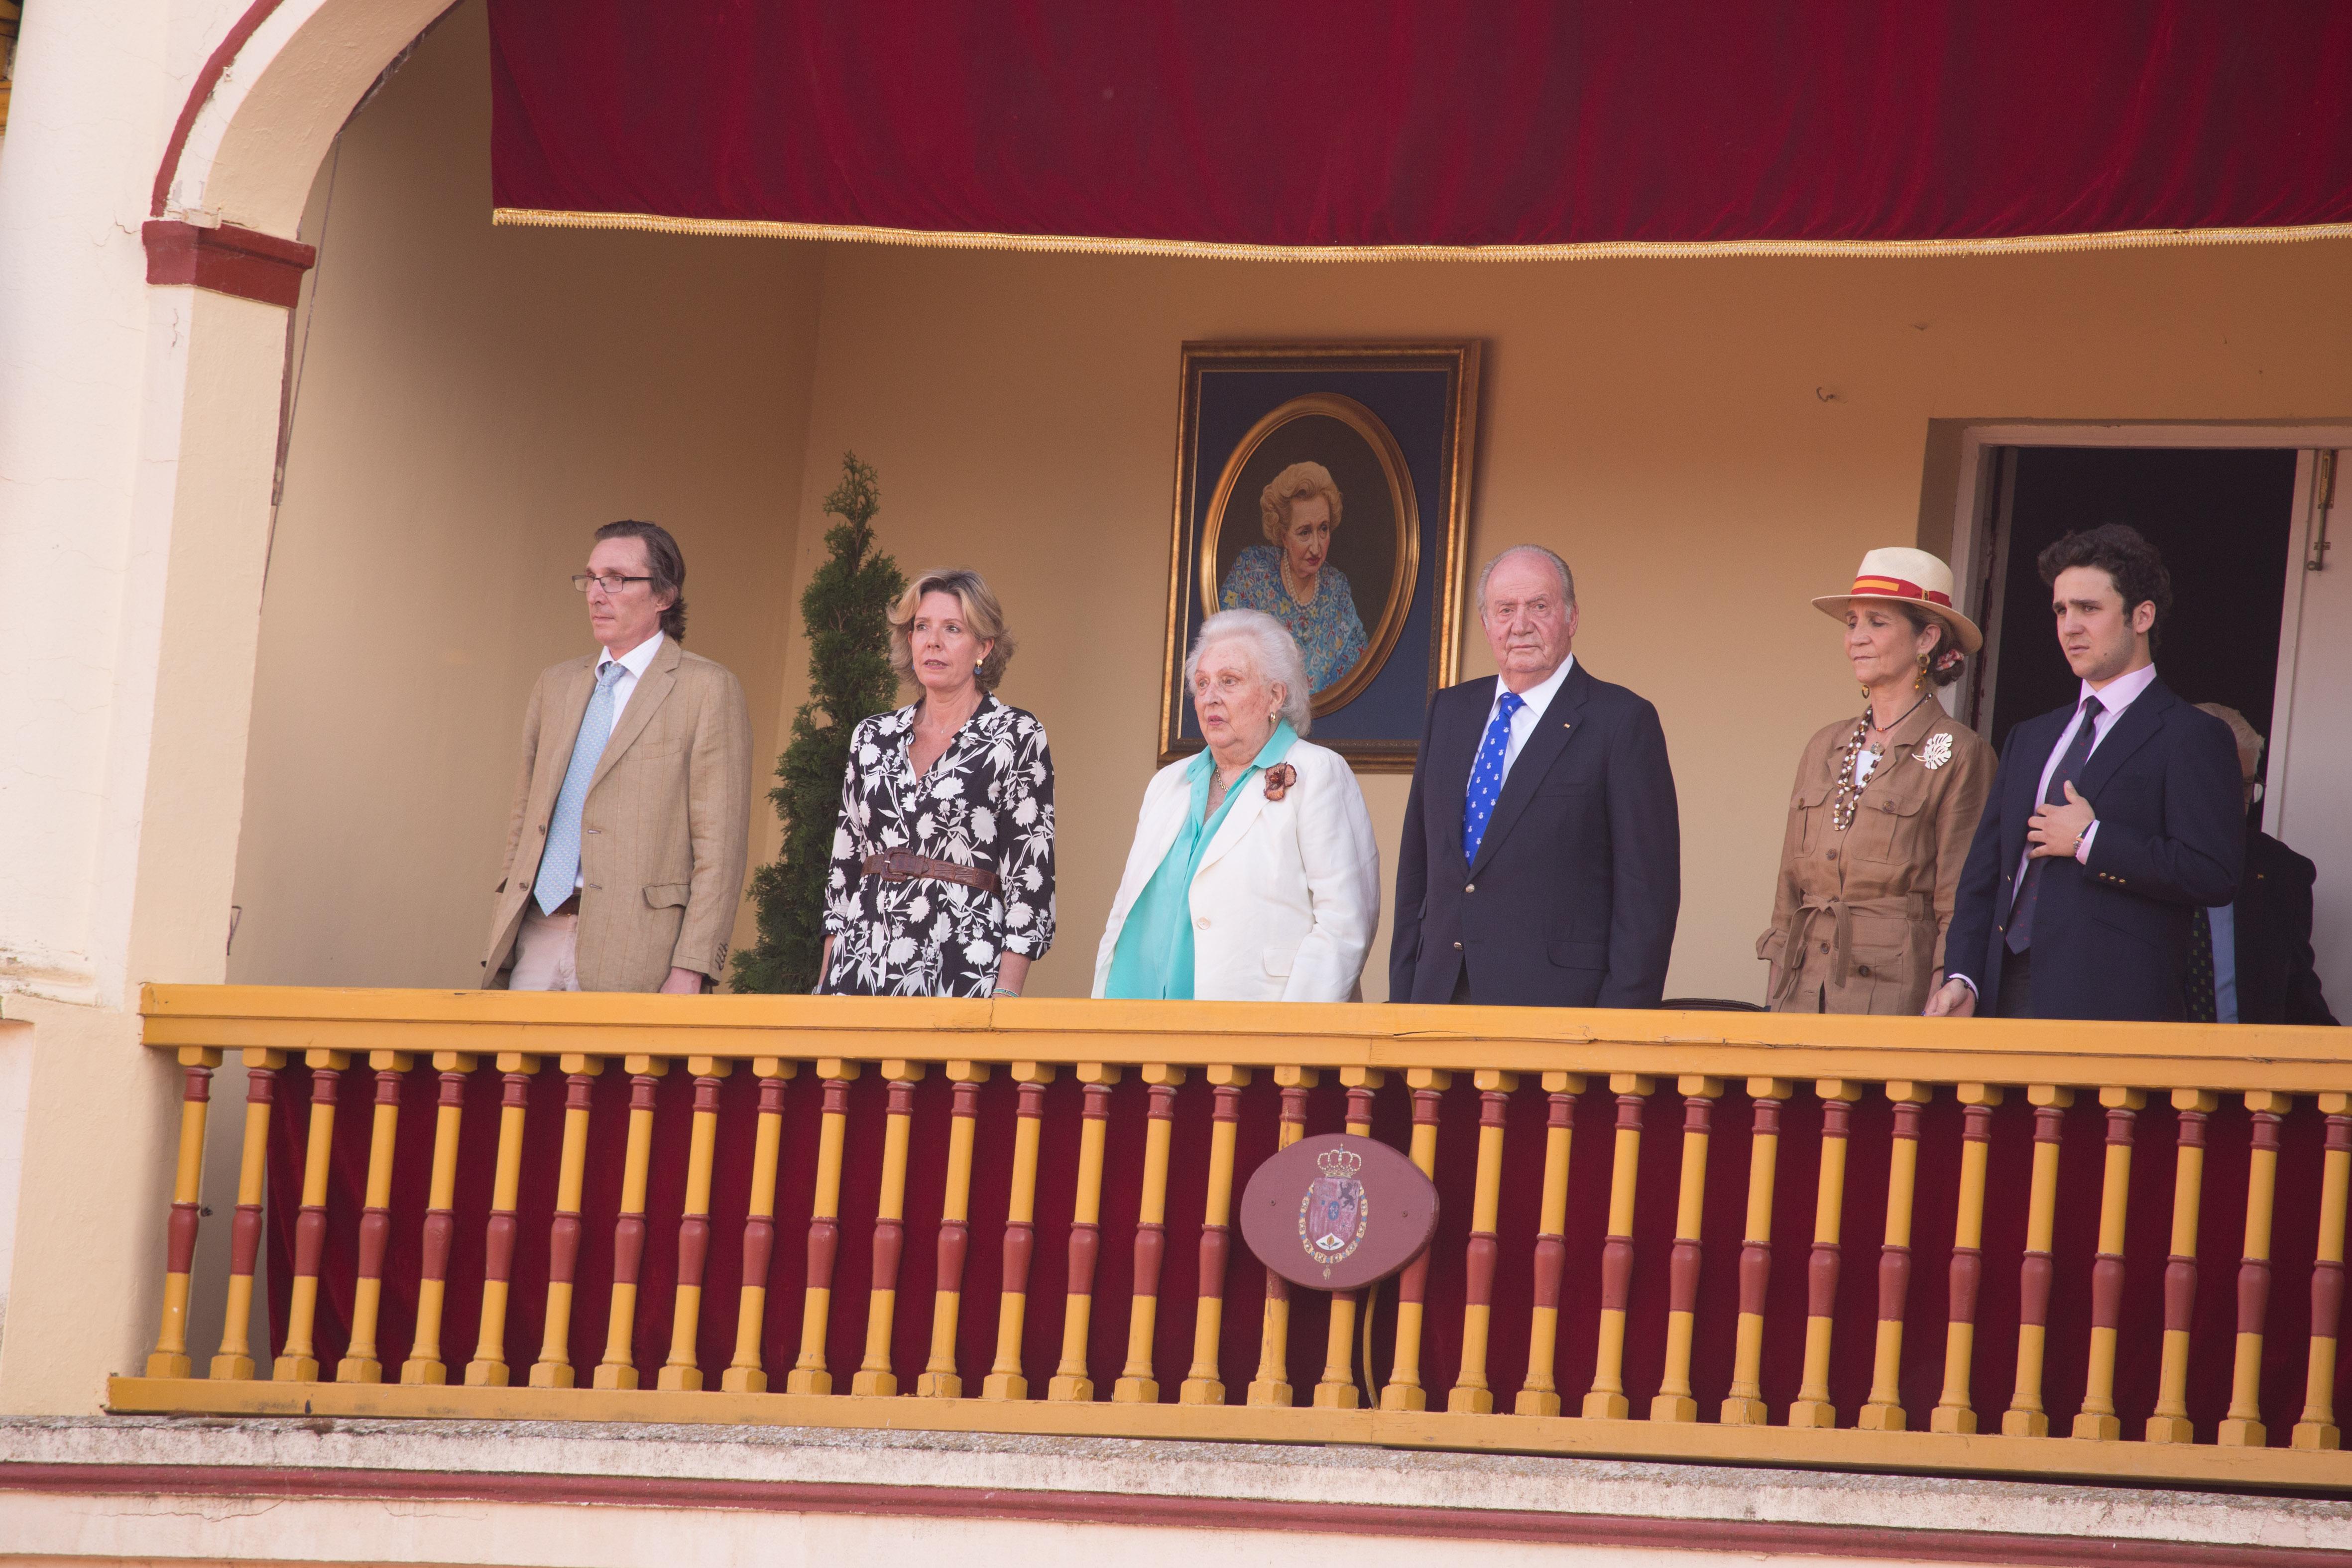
987,802
1329,634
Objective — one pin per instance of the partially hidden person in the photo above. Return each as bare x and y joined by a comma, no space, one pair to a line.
1541,862
1254,875
2250,962
1291,577
1884,805
2111,821
942,876
632,815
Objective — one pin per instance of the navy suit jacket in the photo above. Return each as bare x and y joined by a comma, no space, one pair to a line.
1578,878
2110,937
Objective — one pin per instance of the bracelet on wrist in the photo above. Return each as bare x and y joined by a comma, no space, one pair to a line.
1001,991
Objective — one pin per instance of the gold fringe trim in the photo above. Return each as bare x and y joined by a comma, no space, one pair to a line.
1606,250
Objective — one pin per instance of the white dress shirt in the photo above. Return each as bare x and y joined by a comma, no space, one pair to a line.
632,664
1533,701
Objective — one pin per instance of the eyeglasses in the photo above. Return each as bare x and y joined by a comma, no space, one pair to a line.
611,581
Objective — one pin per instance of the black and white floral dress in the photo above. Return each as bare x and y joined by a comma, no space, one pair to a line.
987,802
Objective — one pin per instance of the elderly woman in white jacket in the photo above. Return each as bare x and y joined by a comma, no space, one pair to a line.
1254,876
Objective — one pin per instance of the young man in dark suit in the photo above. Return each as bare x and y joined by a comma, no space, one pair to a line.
1543,857
2112,819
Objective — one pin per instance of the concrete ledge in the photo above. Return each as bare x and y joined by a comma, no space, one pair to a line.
388,1469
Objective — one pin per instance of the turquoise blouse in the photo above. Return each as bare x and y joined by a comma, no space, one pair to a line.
1153,957
1329,634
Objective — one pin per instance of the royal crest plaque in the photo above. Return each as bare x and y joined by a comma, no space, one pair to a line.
1338,1211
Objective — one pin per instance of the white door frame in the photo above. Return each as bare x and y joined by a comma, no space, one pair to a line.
1976,503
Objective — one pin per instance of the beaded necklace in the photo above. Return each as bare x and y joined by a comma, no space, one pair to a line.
1849,791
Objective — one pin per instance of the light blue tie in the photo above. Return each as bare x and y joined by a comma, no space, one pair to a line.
559,869
1486,775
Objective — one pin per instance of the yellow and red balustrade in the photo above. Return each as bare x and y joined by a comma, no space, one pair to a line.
2102,1250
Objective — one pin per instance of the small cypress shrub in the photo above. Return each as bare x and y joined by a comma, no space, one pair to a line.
844,614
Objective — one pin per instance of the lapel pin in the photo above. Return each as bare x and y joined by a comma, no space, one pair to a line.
1279,779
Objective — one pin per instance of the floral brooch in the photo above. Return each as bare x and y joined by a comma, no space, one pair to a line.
1937,751
1279,779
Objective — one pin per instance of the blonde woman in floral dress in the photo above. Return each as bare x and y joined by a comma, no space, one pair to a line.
1884,806
942,877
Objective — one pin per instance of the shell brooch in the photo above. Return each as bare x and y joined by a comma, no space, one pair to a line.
1279,779
1937,751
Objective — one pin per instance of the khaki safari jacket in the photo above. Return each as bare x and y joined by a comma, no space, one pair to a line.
1859,916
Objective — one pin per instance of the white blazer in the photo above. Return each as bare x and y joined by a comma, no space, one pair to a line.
1288,894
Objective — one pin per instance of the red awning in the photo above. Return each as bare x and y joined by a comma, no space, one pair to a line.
1333,128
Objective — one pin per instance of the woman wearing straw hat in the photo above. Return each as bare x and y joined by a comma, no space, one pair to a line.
1884,805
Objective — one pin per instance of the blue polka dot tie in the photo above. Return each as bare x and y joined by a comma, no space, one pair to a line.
559,869
1486,775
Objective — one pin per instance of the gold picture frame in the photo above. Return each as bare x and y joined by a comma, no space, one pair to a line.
1408,410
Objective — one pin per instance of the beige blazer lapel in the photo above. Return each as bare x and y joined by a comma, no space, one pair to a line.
560,735
652,687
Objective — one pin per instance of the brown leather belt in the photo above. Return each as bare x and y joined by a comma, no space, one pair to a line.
904,866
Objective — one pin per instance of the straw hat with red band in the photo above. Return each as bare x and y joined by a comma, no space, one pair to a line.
1910,577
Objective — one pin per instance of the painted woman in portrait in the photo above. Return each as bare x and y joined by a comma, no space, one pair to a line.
1291,577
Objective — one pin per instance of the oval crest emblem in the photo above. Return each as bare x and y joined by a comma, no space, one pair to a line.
1338,1211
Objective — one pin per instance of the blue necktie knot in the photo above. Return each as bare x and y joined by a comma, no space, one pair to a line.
1486,775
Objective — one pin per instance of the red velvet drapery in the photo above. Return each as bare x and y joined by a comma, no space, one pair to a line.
1429,122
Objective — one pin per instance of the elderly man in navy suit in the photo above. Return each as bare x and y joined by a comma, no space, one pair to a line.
2112,819
1543,857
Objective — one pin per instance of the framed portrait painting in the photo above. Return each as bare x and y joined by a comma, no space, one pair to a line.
1328,485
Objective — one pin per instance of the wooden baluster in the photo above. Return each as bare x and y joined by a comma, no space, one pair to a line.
1539,1396
361,1363
235,1357
299,1362
873,1374
747,1374
683,1370
2025,1417
1953,1410
1337,1388
2317,1429
940,1379
1136,1385
2169,1423
1673,1401
2243,1428
1403,1390
1272,1384
1812,1406
809,1375
1744,1406
1606,1400
553,1367
1470,1391
619,1367
2097,1419
1005,1379
1204,1384
1070,1381
423,1365
1883,1412
488,1367
169,1358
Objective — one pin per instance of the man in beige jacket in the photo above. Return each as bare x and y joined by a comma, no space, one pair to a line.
625,854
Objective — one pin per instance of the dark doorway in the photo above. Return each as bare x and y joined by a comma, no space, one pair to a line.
2219,517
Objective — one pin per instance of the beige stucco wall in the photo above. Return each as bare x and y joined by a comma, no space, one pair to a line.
472,403
1709,443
